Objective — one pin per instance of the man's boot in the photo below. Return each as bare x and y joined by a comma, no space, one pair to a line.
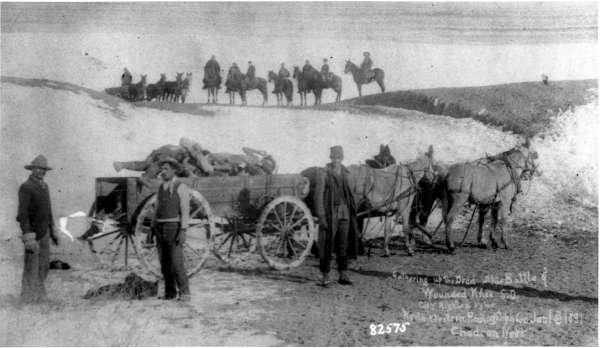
325,281
344,279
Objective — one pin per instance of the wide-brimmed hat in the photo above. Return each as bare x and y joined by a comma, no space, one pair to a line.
39,162
173,162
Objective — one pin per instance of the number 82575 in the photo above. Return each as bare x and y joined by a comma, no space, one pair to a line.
381,329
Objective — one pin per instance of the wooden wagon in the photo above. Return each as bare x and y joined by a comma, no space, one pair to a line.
233,218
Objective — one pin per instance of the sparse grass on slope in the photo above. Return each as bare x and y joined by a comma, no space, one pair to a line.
524,108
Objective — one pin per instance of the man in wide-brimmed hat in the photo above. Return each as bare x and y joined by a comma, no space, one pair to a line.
35,219
169,226
336,209
366,66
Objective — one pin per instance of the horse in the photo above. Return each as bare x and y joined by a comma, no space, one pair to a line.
335,83
212,84
489,183
155,90
283,87
184,88
240,83
383,159
358,76
309,81
171,87
390,192
137,91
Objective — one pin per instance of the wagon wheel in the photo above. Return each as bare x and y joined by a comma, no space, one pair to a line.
108,240
285,232
235,242
199,237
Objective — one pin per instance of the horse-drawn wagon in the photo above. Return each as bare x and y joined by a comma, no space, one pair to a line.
231,217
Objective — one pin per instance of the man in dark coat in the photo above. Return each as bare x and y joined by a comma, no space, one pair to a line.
336,210
169,226
251,73
325,71
126,78
37,224
283,72
366,66
212,69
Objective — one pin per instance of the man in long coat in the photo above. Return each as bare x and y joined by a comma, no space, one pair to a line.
325,71
336,210
212,69
251,73
37,225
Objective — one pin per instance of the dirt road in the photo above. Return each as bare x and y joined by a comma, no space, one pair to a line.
543,291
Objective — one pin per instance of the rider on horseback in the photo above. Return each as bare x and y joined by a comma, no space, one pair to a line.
325,71
212,68
283,72
307,68
250,75
366,67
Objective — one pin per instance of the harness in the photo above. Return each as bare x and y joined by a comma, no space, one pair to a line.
392,197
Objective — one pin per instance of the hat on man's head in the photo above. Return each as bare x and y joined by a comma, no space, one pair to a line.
336,151
39,162
366,53
171,161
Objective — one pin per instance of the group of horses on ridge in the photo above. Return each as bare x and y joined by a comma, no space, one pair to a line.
162,90
309,80
408,193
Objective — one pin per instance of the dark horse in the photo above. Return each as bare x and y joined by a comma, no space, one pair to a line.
155,90
171,88
282,87
358,77
491,182
309,81
212,83
240,83
137,91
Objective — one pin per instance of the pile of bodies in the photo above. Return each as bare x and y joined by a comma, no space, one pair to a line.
195,161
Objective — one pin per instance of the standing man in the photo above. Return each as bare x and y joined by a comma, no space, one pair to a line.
170,225
335,207
37,224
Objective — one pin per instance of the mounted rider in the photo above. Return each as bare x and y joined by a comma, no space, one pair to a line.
251,74
366,67
212,68
307,68
327,76
234,71
283,72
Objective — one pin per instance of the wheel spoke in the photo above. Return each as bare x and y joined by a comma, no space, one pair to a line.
297,222
292,214
117,251
291,247
110,243
278,217
246,244
224,241
234,237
